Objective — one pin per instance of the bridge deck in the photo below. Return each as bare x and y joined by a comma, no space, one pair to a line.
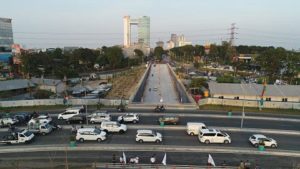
161,85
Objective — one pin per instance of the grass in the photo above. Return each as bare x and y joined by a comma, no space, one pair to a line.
250,109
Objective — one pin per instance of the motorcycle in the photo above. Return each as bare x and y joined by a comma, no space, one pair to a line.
159,109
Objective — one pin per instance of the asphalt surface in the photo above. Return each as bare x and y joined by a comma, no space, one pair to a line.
161,86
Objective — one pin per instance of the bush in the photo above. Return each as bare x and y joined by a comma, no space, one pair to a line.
227,79
42,94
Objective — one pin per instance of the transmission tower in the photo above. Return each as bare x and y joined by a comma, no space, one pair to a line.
232,34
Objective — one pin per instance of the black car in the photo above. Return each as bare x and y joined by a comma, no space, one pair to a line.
22,117
79,118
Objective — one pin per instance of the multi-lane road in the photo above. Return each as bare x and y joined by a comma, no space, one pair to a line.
284,130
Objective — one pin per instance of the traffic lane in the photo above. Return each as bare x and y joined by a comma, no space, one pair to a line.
173,158
170,137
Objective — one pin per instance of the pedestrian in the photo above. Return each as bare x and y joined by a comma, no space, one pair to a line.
242,165
136,160
152,159
121,160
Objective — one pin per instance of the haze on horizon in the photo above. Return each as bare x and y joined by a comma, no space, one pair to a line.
94,23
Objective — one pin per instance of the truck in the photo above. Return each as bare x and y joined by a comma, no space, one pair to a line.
23,136
43,128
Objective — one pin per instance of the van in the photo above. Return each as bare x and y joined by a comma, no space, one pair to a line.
70,112
193,128
113,126
91,134
213,136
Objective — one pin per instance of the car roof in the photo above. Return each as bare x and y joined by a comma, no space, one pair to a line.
210,131
86,129
259,136
144,131
130,114
195,123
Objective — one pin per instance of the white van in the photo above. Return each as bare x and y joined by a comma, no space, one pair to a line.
193,128
91,134
70,112
213,136
113,126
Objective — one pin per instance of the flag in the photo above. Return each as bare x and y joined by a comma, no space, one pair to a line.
164,161
211,160
124,158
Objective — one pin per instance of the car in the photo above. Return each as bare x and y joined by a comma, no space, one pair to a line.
22,116
257,139
79,118
169,119
193,128
70,112
213,136
7,121
97,112
129,118
40,119
100,117
148,136
90,134
113,126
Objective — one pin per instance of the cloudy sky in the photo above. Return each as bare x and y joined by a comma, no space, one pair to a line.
94,23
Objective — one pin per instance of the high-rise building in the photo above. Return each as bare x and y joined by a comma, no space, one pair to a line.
143,24
6,33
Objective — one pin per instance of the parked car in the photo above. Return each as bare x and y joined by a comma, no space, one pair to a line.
129,118
259,139
193,128
100,117
213,136
148,136
113,126
169,119
90,134
78,118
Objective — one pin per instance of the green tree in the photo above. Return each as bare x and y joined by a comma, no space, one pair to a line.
158,52
139,54
114,56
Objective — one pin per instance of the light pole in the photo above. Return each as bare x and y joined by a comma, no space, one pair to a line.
243,112
86,118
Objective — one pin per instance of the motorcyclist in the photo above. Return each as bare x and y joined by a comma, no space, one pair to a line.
162,107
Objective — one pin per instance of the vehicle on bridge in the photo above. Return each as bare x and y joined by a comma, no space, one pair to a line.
78,118
44,118
148,136
90,134
24,136
159,108
129,118
259,139
169,119
100,117
213,136
193,128
43,128
113,126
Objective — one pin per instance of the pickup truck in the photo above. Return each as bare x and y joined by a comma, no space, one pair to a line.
23,136
40,128
7,121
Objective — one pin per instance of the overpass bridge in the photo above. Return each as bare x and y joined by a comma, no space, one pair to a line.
160,86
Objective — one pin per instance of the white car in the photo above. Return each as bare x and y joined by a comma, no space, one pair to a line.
91,134
40,119
69,113
129,118
97,113
99,118
148,136
113,126
257,139
193,128
213,136
7,121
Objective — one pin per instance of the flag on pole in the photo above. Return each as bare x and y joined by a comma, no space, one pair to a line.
164,161
211,160
124,158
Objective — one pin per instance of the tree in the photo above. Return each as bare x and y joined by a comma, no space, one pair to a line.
158,52
139,54
114,56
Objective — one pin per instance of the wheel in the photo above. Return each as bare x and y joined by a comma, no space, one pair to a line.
256,145
134,121
121,131
192,134
43,133
273,146
157,141
61,118
80,122
207,141
141,141
81,140
226,142
99,140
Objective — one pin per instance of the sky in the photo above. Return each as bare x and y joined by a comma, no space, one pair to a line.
94,23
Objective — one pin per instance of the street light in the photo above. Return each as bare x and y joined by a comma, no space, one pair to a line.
243,112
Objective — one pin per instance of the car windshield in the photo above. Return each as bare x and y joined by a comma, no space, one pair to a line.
27,133
97,131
